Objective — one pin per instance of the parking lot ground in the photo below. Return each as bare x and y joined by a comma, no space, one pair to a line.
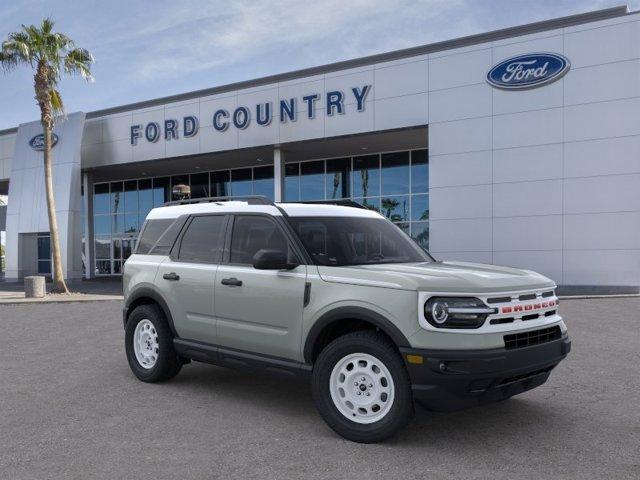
71,409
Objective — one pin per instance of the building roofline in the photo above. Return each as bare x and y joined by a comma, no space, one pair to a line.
529,28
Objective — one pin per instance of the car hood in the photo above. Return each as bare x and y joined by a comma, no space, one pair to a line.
444,277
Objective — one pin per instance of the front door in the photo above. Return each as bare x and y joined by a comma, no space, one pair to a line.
259,310
186,279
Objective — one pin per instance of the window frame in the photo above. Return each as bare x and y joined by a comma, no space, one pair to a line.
174,254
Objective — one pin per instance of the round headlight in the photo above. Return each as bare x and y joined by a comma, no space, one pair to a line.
439,312
456,312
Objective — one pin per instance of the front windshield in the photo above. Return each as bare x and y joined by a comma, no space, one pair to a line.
341,241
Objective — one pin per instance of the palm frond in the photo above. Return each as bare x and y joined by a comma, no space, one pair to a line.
78,61
56,102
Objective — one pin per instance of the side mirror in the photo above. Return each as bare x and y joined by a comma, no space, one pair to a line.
272,260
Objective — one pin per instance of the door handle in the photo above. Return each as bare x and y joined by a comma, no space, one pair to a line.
171,276
231,282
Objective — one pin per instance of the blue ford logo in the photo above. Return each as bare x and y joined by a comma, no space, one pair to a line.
37,142
528,71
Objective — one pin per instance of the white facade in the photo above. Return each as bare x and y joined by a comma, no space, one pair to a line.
546,178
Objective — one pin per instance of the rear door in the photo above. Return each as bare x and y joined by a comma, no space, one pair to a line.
186,279
259,310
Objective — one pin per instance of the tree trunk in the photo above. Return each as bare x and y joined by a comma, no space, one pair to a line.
59,285
43,97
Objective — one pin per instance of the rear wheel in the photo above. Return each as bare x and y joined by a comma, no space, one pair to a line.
149,345
361,387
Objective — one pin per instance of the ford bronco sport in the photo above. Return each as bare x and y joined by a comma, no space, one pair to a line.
341,295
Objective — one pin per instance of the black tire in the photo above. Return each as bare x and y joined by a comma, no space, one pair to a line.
168,364
380,347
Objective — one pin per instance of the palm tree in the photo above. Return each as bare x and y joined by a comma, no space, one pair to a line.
49,54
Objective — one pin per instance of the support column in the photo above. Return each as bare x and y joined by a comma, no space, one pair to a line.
87,206
278,174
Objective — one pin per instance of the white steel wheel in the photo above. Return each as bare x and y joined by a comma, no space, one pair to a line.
362,388
145,344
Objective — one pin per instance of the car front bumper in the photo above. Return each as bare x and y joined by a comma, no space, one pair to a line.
449,380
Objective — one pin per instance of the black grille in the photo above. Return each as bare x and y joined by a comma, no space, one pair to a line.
535,337
525,376
547,294
499,300
528,296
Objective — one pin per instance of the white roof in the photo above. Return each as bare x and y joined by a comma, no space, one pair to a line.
291,209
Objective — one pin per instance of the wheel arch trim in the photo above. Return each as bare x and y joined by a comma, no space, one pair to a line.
351,313
148,292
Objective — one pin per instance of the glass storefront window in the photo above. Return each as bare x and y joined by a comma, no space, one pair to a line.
131,196
395,173
419,207
312,180
199,185
395,184
419,171
292,182
220,184
116,197
161,191
420,233
178,180
241,182
102,247
263,181
145,198
366,176
101,198
338,178
395,209
102,224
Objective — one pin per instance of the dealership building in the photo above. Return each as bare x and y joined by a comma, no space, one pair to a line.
516,147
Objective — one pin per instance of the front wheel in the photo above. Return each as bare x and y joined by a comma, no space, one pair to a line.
149,345
361,387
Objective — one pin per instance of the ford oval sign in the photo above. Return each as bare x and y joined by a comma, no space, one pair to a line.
37,142
528,71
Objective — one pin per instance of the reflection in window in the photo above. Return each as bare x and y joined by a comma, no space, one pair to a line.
145,197
395,209
311,180
241,182
395,173
338,178
292,182
199,185
101,198
160,191
263,181
103,267
102,224
420,207
131,196
370,203
220,184
116,197
179,180
419,171
366,176
420,233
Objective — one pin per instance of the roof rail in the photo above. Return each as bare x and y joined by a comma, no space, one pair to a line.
250,199
342,203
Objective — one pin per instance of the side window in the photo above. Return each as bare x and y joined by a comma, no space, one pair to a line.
203,240
152,231
252,233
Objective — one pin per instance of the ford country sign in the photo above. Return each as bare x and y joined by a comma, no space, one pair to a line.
37,142
528,71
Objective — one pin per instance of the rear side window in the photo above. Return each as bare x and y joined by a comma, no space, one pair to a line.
203,240
152,231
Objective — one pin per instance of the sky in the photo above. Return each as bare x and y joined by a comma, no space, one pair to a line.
149,49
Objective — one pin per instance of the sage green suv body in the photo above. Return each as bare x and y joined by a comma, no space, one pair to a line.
340,294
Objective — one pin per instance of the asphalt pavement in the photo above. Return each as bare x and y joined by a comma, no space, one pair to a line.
71,409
